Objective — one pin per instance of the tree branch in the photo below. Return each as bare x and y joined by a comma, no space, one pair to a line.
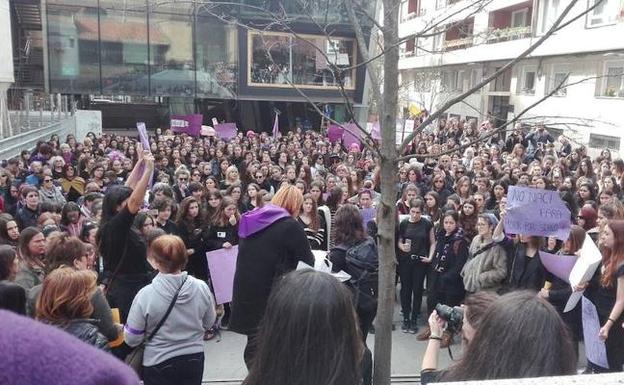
487,80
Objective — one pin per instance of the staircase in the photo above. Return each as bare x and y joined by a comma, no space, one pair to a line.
27,44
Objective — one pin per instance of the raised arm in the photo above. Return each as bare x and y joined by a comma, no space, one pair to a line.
136,173
138,193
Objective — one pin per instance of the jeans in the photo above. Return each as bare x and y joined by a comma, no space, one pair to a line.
182,370
412,273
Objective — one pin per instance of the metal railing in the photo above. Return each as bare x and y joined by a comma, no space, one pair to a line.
457,43
496,35
30,110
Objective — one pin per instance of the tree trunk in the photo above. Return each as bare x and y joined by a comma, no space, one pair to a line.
387,210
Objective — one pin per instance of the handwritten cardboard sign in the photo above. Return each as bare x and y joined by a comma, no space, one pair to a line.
532,211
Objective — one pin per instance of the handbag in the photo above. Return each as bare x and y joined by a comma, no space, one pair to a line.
135,358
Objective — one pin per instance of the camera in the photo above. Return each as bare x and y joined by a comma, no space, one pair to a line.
454,316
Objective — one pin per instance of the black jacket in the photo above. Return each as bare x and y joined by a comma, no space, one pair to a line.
450,258
524,272
12,297
262,258
87,331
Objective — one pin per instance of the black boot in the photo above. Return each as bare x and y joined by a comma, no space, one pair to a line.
414,326
406,325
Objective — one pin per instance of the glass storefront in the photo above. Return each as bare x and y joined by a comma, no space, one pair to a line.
140,47
180,48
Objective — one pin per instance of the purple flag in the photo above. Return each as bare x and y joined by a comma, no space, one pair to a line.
559,265
334,132
532,211
276,126
143,135
222,265
188,124
351,136
226,131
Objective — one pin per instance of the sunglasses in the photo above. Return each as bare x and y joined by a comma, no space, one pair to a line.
47,180
183,179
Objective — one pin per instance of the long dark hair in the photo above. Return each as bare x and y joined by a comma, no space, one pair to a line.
184,220
520,335
115,196
349,227
334,198
5,218
317,343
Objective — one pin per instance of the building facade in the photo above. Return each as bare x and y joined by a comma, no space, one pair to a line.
470,43
231,61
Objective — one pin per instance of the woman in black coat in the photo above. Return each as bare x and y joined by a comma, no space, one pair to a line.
271,244
192,230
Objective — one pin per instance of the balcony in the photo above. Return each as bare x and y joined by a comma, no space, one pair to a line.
510,23
459,35
450,45
507,34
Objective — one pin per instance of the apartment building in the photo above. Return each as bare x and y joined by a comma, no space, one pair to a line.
468,40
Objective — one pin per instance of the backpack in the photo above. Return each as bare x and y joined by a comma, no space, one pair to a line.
362,263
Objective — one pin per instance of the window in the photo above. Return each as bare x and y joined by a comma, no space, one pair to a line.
438,37
605,13
549,11
440,4
449,81
475,77
278,59
558,76
527,81
519,18
604,142
413,6
460,81
613,81
410,47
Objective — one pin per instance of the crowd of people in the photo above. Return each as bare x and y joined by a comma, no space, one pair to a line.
103,223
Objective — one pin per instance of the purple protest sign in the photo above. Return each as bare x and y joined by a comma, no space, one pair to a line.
226,131
351,136
532,211
559,265
222,265
143,135
187,124
334,132
595,349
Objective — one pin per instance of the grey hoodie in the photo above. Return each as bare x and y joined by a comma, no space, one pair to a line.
183,331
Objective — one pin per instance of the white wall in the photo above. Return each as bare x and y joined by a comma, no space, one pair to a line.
6,50
88,121
603,115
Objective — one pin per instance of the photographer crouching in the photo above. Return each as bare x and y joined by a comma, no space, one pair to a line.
517,335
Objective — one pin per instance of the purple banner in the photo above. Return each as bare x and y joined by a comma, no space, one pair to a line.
143,135
559,265
187,124
226,131
334,132
351,136
532,211
222,265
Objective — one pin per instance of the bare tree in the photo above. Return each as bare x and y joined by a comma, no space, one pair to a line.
385,92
